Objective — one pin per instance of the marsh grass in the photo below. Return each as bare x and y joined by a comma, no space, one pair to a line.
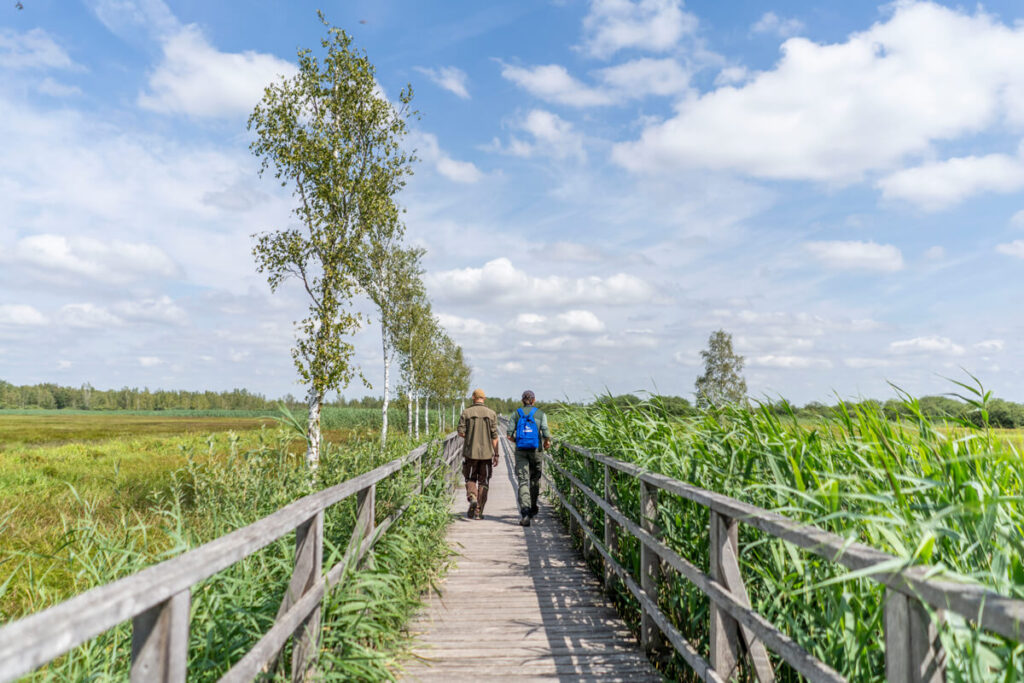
948,495
208,497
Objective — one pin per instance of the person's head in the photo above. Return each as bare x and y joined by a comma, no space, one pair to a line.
479,396
528,398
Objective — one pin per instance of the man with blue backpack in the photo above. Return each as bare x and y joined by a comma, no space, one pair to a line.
528,429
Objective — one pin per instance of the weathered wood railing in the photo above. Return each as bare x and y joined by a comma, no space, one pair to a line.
913,653
158,599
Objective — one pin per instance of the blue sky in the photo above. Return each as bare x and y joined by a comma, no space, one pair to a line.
602,184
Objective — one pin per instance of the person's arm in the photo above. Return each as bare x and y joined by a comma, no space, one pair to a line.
494,441
461,429
544,431
512,426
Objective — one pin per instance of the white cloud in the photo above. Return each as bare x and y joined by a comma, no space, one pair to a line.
570,322
647,76
88,315
860,363
131,19
113,262
499,282
789,362
942,184
53,88
553,83
770,22
630,80
150,361
467,327
450,78
857,255
935,253
732,75
990,345
428,149
196,79
929,345
34,49
551,136
20,315
160,310
832,112
64,364
1014,248
651,25
569,251
511,366
1017,220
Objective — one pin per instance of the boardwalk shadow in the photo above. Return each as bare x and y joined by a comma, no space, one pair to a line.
586,638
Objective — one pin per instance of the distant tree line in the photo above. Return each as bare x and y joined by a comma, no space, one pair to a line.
53,396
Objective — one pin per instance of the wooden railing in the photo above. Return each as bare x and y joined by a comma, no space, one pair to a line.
913,653
158,599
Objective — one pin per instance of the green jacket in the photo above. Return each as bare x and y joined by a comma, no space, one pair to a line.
538,416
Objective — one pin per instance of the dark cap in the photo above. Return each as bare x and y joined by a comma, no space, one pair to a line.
528,395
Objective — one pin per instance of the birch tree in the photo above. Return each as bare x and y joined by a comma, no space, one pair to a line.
722,381
392,278
329,134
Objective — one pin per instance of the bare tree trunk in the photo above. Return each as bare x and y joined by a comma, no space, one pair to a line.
417,415
387,389
313,401
426,410
408,418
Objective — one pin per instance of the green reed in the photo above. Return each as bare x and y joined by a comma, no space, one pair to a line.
949,496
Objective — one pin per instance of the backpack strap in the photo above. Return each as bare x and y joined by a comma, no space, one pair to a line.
533,409
521,413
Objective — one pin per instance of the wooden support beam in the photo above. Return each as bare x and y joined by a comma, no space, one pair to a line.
913,652
650,568
160,641
309,555
611,528
725,639
755,649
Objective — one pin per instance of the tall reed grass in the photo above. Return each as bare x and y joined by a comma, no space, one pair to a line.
363,616
946,495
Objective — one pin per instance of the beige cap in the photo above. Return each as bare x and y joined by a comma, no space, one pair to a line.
478,394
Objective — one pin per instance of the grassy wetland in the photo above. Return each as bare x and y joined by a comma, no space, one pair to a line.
89,498
946,495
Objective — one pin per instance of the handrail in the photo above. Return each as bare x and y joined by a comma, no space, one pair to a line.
913,652
157,598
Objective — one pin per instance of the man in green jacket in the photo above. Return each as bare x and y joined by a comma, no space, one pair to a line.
478,425
531,438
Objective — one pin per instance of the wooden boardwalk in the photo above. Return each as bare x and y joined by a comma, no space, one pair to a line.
520,604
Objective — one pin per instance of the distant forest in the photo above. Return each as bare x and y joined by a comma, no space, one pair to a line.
1002,413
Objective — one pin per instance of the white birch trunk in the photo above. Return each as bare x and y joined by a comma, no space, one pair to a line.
417,415
426,409
387,389
313,429
408,417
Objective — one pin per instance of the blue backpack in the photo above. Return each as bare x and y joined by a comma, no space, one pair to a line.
527,434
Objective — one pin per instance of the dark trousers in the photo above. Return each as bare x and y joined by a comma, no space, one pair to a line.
477,474
528,473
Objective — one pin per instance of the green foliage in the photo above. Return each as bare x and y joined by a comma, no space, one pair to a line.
950,498
722,381
363,616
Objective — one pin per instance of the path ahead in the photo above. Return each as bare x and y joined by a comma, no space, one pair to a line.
520,604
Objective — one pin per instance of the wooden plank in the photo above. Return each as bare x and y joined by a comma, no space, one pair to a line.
994,612
611,529
650,568
724,633
309,554
733,582
160,641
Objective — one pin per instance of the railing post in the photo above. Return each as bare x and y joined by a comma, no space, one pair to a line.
650,566
309,556
913,652
366,513
583,505
725,639
160,641
611,527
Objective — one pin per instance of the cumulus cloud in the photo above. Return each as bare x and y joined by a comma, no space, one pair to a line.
630,80
196,79
20,315
857,255
772,23
428,149
927,345
33,49
160,310
832,112
499,282
550,135
990,345
571,322
111,262
450,78
1014,248
939,185
88,315
651,25
461,327
150,361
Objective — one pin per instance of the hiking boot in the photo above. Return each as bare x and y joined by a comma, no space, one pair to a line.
479,513
471,513
524,520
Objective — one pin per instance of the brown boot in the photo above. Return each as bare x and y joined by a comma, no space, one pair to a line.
483,501
471,497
